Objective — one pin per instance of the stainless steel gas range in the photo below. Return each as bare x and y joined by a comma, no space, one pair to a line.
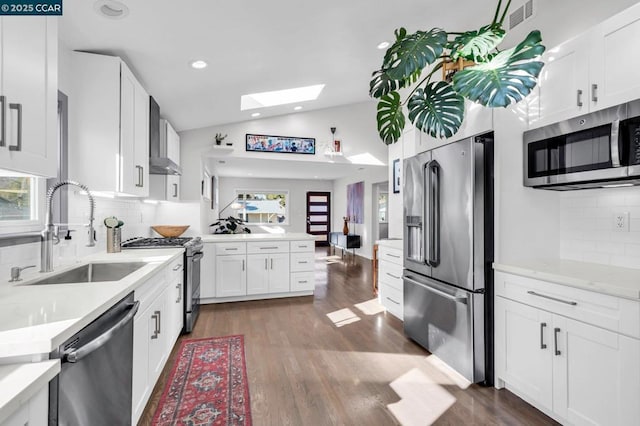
192,256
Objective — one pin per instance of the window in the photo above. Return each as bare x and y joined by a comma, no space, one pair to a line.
264,207
17,198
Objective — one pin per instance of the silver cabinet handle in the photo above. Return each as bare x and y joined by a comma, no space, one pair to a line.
556,331
175,190
268,248
3,117
579,98
18,145
302,261
456,299
302,281
265,264
303,246
178,287
159,321
99,341
542,344
231,249
155,320
243,264
594,92
393,276
139,169
393,301
177,267
272,264
393,255
533,293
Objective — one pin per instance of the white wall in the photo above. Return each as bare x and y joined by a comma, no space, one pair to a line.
587,230
339,209
297,199
356,128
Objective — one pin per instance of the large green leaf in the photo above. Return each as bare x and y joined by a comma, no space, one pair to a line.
381,84
390,118
437,109
477,45
413,52
507,78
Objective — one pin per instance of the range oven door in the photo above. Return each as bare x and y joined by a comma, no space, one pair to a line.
192,290
582,149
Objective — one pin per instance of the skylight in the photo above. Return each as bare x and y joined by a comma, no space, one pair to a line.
280,97
366,159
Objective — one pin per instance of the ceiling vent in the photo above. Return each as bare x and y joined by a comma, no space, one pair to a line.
522,13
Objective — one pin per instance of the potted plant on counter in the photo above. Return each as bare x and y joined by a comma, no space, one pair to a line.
229,225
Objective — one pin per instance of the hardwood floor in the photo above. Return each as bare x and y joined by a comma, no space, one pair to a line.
304,370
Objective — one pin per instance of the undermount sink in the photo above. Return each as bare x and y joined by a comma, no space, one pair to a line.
92,273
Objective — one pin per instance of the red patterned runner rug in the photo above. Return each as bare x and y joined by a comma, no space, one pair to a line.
208,385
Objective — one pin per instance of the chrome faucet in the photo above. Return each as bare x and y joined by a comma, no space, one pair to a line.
50,232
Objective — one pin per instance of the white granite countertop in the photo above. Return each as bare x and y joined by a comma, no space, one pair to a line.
20,382
222,238
36,319
606,279
395,243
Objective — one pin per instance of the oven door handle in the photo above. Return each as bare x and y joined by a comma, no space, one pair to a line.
197,257
99,341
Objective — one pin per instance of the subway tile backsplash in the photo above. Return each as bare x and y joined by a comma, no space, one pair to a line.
588,232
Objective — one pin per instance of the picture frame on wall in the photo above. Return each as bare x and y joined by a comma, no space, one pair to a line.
280,144
396,176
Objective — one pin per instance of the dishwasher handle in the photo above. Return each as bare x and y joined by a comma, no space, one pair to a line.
99,341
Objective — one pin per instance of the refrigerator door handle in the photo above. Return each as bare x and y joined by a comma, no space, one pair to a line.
426,213
456,299
433,182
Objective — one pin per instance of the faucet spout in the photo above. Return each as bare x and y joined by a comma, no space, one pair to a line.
50,231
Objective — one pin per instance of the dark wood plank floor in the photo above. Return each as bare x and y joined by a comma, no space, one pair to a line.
303,370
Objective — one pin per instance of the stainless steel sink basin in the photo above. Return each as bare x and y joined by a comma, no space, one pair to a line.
92,273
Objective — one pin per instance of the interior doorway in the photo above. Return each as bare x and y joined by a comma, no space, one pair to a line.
319,216
380,198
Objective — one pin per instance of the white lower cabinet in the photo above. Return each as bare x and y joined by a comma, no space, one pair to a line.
267,273
231,275
34,412
576,372
390,285
156,328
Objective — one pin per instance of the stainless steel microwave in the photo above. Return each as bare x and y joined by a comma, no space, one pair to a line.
599,149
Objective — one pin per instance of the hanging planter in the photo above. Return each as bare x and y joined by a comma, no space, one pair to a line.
472,66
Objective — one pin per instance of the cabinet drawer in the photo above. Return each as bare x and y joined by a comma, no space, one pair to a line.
302,246
390,255
175,270
231,248
302,262
149,290
392,299
268,247
390,273
609,312
302,281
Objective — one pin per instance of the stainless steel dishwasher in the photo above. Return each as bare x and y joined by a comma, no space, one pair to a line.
94,384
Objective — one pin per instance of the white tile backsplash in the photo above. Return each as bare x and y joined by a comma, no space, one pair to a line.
587,232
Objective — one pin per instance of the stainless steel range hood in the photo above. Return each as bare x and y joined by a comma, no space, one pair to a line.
159,163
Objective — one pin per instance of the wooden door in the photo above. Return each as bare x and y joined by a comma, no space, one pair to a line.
319,216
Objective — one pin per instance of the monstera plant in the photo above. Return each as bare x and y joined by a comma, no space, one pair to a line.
494,78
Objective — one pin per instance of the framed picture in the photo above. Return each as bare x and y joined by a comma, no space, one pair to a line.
396,176
282,144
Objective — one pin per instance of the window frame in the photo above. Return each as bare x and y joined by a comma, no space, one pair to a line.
287,199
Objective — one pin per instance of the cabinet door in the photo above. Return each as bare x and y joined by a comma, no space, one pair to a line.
524,347
130,175
596,375
175,304
231,275
158,334
140,386
208,271
173,188
612,82
257,274
173,144
141,138
563,89
279,273
29,85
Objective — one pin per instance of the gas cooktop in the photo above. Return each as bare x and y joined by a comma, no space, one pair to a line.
156,242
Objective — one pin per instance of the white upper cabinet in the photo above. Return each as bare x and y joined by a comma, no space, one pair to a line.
593,71
173,142
109,126
29,90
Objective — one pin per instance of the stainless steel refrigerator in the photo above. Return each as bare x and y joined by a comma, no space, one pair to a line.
448,241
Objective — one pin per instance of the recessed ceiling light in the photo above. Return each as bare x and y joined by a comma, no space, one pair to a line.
280,97
298,108
111,9
198,64
255,114
383,45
